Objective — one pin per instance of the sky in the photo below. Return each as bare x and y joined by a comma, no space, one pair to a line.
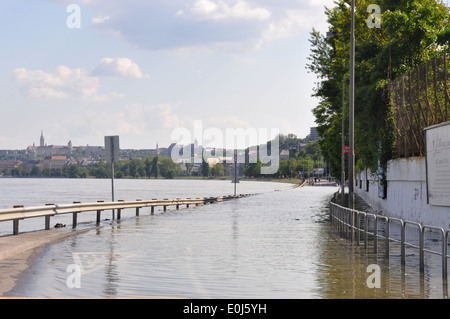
146,69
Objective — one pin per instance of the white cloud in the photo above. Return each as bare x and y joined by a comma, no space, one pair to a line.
64,83
220,10
219,25
100,20
119,67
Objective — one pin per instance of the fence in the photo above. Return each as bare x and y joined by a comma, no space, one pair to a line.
419,98
18,213
353,225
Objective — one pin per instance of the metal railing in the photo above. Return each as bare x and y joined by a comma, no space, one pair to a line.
352,224
18,213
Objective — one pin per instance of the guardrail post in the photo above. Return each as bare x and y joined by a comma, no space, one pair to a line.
75,217
47,219
99,212
16,222
137,208
119,210
15,227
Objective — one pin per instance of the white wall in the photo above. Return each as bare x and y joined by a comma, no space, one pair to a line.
406,193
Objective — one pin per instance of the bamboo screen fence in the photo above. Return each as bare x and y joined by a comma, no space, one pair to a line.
420,98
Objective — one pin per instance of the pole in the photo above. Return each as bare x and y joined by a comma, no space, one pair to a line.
112,175
235,171
343,143
351,159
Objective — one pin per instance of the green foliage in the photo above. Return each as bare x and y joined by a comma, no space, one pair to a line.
217,170
411,33
134,168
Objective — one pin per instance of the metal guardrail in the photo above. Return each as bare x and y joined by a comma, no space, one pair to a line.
18,213
351,224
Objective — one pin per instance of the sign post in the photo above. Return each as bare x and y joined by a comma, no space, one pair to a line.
235,179
112,152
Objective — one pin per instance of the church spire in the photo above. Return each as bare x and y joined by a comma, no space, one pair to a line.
42,141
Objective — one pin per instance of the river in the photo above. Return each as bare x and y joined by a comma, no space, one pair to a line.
277,244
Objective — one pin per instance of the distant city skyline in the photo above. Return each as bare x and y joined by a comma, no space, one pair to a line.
140,70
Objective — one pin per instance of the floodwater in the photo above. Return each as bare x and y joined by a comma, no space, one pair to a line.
278,244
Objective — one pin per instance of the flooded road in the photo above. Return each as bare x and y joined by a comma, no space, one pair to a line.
277,244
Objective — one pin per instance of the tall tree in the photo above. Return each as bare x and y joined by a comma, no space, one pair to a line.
411,33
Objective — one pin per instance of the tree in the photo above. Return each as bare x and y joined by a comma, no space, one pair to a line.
217,170
411,33
254,169
154,170
205,168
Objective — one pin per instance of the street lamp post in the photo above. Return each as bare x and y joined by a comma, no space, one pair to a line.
351,153
351,158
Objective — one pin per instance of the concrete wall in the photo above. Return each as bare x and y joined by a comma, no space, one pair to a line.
406,193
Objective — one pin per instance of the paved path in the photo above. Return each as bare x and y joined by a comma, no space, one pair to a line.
16,250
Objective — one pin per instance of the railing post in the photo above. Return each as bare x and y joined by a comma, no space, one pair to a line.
357,227
444,254
421,249
375,233
352,225
402,243
366,227
388,229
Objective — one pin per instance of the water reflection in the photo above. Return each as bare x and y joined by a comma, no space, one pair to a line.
344,272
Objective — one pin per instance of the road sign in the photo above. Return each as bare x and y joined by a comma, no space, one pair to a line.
112,150
346,149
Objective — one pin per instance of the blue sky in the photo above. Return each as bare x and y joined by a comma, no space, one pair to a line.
141,69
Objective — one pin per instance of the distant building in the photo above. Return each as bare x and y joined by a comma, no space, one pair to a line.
44,150
284,154
314,134
8,166
42,140
54,162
